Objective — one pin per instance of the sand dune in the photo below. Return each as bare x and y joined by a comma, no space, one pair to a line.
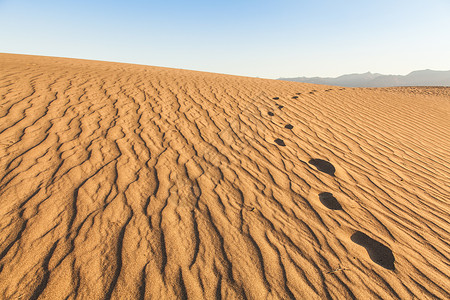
122,181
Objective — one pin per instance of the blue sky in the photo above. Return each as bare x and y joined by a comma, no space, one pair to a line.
265,38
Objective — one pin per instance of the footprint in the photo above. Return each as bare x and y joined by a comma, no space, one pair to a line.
329,201
323,166
276,98
298,93
270,113
249,208
288,126
378,253
295,97
280,142
280,106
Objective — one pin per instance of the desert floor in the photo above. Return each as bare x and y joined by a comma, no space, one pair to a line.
125,181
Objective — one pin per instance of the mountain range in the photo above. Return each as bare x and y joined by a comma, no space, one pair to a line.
415,78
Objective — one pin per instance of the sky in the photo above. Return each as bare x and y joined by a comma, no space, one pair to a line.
257,38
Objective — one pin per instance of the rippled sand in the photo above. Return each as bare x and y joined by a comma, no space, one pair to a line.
124,181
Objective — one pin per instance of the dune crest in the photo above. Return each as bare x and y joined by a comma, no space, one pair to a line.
122,181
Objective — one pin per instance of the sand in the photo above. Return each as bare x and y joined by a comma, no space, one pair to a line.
122,181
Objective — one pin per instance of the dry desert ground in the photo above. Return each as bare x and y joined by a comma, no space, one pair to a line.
122,181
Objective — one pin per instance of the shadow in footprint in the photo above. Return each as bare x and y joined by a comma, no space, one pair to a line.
323,166
276,98
288,126
270,113
378,253
295,97
329,201
280,142
280,106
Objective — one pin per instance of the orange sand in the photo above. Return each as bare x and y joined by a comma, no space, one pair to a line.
125,181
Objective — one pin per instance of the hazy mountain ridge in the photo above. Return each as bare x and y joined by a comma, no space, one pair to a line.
415,78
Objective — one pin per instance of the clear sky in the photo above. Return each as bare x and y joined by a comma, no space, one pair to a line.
259,38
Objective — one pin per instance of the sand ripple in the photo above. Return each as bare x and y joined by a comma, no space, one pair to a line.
122,181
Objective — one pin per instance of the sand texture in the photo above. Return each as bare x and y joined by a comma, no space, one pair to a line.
121,181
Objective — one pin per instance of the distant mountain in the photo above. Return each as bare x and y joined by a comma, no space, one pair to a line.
416,78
